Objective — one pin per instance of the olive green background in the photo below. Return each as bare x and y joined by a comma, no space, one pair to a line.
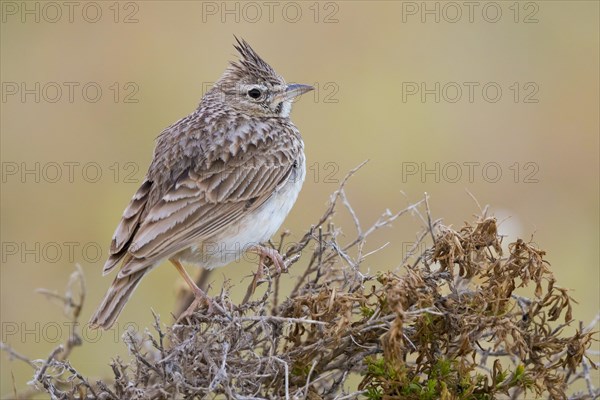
362,57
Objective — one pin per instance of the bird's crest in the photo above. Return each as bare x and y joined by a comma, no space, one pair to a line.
251,65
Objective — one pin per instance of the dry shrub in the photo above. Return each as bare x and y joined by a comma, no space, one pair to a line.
450,325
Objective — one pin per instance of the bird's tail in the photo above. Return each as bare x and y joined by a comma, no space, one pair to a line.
115,299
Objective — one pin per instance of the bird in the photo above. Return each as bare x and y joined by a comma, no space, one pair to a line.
221,182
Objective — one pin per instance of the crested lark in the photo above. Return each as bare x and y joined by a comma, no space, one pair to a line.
222,181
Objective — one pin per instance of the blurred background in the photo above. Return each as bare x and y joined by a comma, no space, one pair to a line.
499,99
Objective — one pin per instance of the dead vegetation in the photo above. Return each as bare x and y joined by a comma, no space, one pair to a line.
449,325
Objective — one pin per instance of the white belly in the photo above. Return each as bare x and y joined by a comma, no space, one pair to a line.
258,227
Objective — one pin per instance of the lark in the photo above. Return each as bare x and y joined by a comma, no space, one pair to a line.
221,182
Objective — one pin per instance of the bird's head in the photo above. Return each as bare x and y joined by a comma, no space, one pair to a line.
252,86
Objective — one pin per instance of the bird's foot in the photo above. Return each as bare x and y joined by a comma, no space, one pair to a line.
267,252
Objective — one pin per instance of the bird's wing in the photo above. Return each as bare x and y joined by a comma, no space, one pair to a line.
130,222
203,201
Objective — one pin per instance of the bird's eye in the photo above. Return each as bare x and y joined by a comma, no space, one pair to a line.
254,93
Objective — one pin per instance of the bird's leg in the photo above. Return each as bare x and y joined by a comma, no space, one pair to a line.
259,272
266,252
199,296
186,297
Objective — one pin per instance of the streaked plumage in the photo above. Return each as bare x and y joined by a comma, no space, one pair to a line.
222,179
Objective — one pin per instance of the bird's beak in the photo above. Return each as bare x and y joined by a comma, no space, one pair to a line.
294,90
